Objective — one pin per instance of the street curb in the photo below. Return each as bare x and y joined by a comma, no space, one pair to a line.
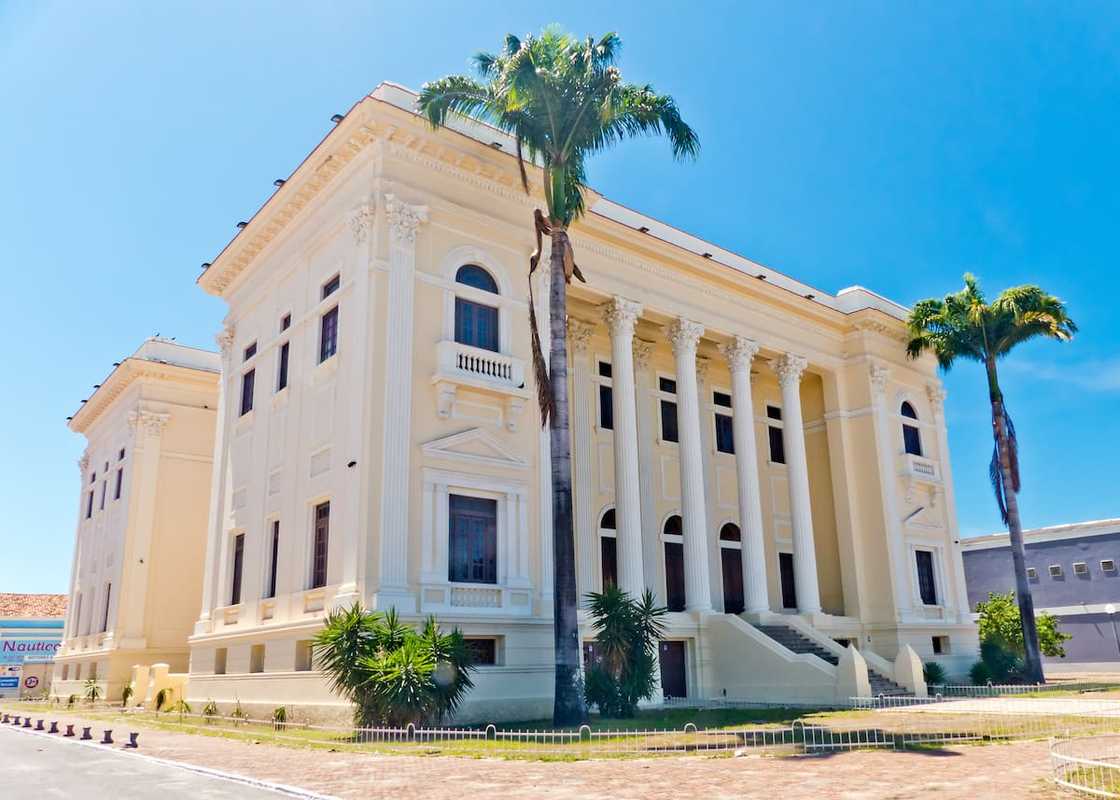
232,777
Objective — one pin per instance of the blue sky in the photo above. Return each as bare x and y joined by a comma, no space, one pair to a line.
890,145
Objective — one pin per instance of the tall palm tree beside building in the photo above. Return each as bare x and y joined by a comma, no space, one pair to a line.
965,326
563,100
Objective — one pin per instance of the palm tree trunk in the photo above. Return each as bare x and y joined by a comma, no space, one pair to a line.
568,707
1032,660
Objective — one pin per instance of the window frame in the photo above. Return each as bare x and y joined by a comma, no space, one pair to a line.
775,426
931,557
248,390
728,413
664,398
604,392
470,578
318,570
483,305
677,541
605,533
328,343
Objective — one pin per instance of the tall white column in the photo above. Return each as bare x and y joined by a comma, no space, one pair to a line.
790,368
404,221
587,528
739,353
888,484
685,336
647,483
621,316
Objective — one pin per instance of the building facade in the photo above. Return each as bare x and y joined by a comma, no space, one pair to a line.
30,634
1073,574
136,578
760,454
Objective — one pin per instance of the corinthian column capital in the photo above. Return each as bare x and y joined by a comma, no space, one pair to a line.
621,315
151,422
404,219
361,220
739,352
790,368
643,351
225,340
579,334
684,335
879,375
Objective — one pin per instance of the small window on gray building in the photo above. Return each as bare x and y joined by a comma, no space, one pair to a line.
1032,574
1108,565
1080,568
1055,570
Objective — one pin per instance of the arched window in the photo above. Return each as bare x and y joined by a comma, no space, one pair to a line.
608,549
672,532
911,435
731,560
476,324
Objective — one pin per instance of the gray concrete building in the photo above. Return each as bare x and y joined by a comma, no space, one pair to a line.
1074,573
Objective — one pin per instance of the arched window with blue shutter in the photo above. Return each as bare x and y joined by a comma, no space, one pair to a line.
911,434
476,323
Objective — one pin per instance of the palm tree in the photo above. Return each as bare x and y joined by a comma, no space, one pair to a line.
965,326
563,100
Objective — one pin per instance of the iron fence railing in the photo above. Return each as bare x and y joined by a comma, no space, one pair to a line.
1087,766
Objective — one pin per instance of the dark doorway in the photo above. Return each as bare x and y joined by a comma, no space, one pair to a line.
789,585
732,580
608,556
674,576
673,683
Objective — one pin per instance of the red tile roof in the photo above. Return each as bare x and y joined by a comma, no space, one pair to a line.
32,606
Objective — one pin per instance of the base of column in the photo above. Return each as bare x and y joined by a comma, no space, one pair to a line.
401,599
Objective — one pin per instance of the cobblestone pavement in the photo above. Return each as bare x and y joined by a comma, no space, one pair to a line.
994,772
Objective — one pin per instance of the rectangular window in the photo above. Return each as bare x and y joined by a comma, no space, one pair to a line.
1032,573
320,544
669,421
89,504
282,369
721,399
725,437
1108,565
777,446
936,641
238,565
104,491
605,370
105,614
911,440
787,580
247,381
256,658
273,558
773,412
608,559
1080,568
303,655
220,655
473,539
667,385
117,483
606,408
484,652
328,334
927,589
285,322
1055,570
331,286
250,351
476,324
675,599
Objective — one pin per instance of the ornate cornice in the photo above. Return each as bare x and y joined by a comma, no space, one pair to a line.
739,352
404,219
790,368
880,328
684,334
361,220
134,369
621,315
151,423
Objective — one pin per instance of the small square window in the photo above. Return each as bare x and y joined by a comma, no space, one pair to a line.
1108,565
940,645
773,412
120,455
667,385
331,286
1080,568
605,372
256,658
1032,573
285,322
303,655
1055,570
250,351
721,399
483,651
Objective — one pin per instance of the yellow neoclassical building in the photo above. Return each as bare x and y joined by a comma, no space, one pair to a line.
759,453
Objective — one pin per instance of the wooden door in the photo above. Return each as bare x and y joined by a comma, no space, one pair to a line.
732,580
673,681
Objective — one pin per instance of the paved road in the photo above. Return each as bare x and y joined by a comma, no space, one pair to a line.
35,767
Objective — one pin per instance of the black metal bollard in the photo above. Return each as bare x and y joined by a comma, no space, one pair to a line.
69,730
4,719
85,734
54,726
15,719
38,724
108,737
27,722
132,737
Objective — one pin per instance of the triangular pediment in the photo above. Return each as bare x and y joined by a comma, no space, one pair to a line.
477,446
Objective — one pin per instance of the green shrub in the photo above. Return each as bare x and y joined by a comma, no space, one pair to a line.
162,696
624,671
71,700
1003,665
91,691
1000,622
393,674
238,713
126,694
279,717
979,674
934,673
209,711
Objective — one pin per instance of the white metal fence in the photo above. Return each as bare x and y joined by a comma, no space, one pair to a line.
1087,766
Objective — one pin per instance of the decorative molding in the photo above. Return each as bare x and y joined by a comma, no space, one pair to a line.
643,352
225,340
579,334
790,368
83,462
936,394
361,220
882,329
703,364
404,219
475,446
684,335
879,373
621,316
152,422
739,352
